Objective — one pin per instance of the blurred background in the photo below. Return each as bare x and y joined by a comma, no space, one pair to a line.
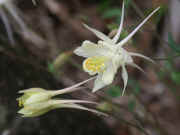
37,39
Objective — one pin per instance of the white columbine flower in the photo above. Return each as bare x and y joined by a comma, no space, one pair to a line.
105,57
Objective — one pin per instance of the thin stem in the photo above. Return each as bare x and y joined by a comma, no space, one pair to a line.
129,123
72,88
7,26
167,58
118,107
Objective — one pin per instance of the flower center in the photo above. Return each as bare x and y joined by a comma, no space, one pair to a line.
94,65
22,100
20,103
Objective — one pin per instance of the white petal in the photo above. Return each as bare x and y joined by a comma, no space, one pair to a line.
76,106
98,83
32,90
124,77
115,39
67,101
37,98
136,66
121,43
99,34
89,49
142,56
105,78
109,73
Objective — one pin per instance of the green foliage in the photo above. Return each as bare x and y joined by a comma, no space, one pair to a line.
172,44
162,11
110,13
51,68
127,3
175,76
113,13
134,85
131,105
170,72
105,106
104,5
114,91
169,65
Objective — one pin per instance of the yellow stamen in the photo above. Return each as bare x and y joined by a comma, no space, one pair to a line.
20,103
94,64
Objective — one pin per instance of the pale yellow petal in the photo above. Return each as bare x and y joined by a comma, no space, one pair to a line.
116,37
99,34
125,78
142,56
98,83
109,73
76,106
122,42
90,49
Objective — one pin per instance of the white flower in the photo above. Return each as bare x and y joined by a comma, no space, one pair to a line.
38,101
40,108
105,57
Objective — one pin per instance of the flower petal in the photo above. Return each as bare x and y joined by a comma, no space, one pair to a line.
142,56
106,77
99,34
32,90
76,106
98,83
41,97
115,39
121,43
89,49
136,66
67,101
109,73
124,77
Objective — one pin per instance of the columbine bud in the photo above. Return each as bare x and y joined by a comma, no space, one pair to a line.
37,101
34,95
40,108
36,109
